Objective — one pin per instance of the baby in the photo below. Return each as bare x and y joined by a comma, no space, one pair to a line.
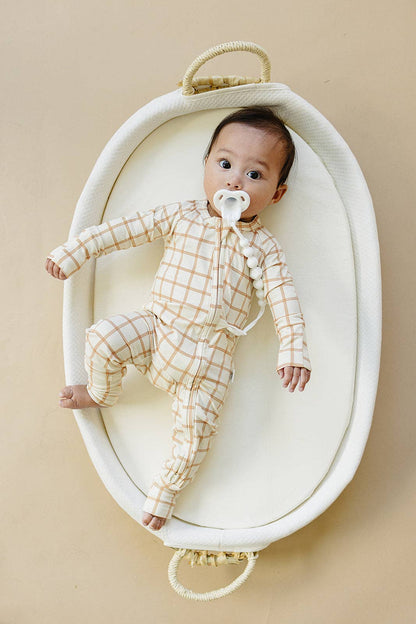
183,340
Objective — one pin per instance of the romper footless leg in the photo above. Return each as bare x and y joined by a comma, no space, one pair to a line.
191,440
196,407
111,344
124,339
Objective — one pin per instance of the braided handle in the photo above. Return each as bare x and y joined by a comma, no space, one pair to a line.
216,593
222,48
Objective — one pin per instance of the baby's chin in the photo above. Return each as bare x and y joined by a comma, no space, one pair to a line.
247,219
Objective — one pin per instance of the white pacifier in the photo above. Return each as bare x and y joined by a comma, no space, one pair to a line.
231,204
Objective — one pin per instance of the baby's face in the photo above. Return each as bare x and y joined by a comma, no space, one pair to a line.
248,159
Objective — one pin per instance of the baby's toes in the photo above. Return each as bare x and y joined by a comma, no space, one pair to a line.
157,523
147,517
154,524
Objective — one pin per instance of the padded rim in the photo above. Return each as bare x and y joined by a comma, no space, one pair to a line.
335,154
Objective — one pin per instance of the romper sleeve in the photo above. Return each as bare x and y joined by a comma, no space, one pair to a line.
289,323
119,233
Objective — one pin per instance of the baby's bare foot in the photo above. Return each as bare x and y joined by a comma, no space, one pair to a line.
76,397
154,522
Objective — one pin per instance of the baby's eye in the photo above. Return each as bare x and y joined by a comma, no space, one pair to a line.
254,175
224,163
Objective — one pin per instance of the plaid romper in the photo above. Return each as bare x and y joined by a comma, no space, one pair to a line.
184,338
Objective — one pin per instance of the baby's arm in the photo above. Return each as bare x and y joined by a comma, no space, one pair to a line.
119,233
293,362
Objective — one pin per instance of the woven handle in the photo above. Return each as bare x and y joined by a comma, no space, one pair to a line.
232,46
216,593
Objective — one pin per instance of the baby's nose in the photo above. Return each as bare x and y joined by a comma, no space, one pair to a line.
234,181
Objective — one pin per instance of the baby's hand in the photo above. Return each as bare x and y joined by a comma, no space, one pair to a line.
293,373
54,270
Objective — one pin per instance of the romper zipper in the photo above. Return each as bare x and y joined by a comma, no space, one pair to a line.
211,315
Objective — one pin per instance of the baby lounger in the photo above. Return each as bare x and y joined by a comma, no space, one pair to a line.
280,459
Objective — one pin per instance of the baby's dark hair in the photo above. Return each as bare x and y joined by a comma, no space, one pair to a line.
264,118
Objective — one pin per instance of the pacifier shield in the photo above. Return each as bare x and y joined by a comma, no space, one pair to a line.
231,204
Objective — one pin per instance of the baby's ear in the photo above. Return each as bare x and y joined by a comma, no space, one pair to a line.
280,191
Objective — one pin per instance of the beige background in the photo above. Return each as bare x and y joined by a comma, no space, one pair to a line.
72,73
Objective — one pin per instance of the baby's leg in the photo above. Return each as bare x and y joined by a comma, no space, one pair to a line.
194,413
113,343
110,345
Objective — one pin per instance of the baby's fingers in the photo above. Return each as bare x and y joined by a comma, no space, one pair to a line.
293,375
287,377
57,272
54,270
295,378
49,266
304,378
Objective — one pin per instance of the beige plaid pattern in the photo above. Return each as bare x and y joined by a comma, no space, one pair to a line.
196,371
202,279
202,276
